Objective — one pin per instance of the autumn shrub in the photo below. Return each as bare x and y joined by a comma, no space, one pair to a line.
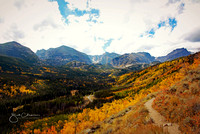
149,129
193,106
183,102
195,88
143,110
126,121
172,89
137,121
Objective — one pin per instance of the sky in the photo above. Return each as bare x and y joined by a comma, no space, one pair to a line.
98,26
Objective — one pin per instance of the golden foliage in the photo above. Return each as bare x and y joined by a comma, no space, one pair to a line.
153,79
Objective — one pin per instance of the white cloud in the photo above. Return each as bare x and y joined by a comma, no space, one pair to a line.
1,20
149,14
80,4
42,26
19,4
28,18
194,36
45,24
14,33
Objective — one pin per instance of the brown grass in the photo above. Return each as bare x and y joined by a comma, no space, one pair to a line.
181,103
136,121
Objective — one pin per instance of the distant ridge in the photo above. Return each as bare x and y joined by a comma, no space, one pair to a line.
105,58
62,55
14,49
131,59
180,52
127,60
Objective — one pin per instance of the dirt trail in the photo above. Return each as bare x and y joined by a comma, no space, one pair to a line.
90,98
159,120
87,99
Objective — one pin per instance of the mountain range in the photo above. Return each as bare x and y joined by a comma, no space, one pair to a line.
62,55
105,58
181,52
14,49
127,60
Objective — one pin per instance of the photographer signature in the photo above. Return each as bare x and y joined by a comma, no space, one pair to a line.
15,117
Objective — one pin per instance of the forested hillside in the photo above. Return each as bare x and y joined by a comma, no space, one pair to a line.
14,49
130,92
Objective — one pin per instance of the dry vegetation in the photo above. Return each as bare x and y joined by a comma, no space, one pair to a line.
135,120
181,102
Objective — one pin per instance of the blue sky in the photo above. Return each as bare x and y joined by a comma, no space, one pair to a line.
98,26
169,23
65,11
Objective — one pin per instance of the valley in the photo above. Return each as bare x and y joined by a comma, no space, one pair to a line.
73,95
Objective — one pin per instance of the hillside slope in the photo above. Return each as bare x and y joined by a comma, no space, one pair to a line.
13,64
180,103
14,49
177,104
159,120
132,90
